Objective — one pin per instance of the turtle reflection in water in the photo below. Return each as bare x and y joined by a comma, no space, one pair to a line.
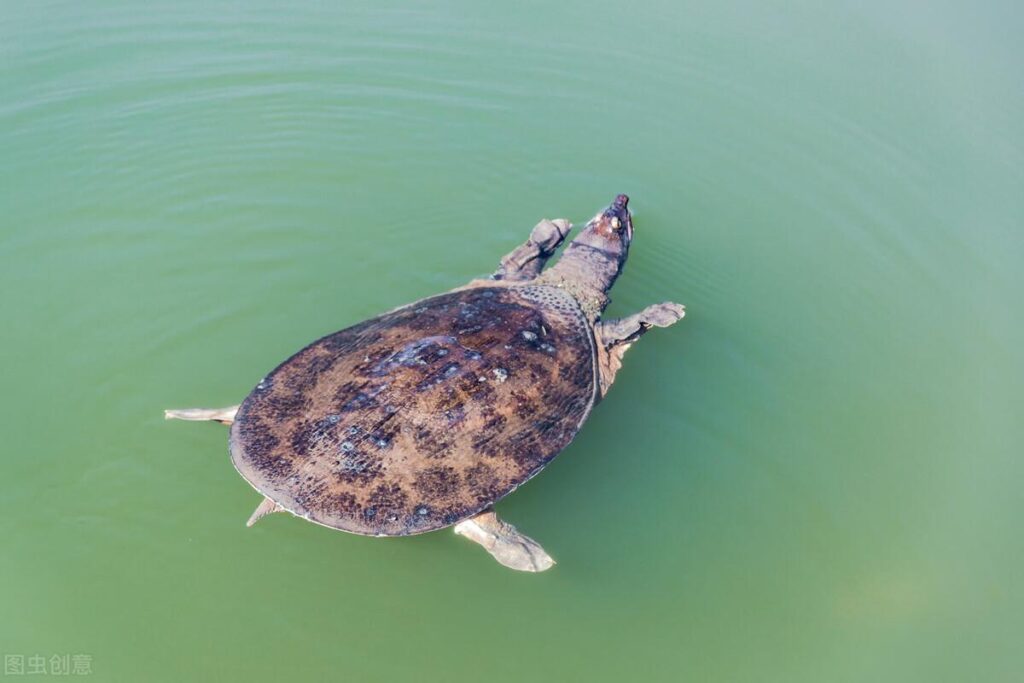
424,417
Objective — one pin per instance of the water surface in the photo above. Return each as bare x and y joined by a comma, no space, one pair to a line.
815,477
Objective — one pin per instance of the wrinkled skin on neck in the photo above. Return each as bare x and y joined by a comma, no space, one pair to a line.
593,260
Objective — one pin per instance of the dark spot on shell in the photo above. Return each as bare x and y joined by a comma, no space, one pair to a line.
307,373
365,396
538,373
346,503
474,389
524,406
437,482
419,353
356,467
371,358
387,500
449,398
310,493
342,393
309,436
260,441
432,442
454,416
286,405
436,378
482,482
486,439
384,432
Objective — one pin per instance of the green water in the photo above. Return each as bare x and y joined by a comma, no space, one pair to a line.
815,477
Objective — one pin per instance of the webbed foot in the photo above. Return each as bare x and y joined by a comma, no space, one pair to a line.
505,543
526,261
630,328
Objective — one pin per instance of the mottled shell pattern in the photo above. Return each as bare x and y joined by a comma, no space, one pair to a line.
424,416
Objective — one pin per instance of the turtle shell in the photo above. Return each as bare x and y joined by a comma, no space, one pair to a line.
421,417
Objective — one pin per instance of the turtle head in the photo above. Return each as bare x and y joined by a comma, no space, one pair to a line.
594,259
611,230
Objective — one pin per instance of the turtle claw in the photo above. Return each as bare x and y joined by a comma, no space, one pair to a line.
505,543
222,415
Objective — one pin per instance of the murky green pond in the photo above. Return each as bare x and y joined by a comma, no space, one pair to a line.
815,477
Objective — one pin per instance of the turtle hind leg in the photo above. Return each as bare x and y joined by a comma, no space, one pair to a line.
222,415
505,543
527,260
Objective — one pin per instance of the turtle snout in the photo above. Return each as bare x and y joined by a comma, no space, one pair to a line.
617,214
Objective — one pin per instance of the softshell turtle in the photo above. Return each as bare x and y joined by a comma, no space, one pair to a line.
425,416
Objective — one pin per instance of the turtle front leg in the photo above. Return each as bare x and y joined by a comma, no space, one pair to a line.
223,415
526,261
616,336
505,543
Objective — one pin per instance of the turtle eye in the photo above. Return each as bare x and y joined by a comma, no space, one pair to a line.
616,223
